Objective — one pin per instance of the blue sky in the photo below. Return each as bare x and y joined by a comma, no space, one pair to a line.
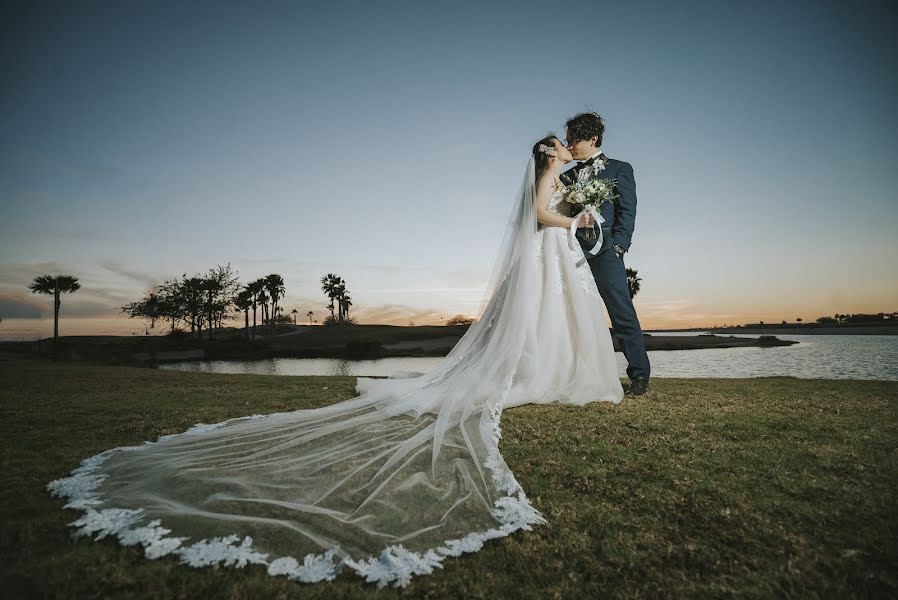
385,141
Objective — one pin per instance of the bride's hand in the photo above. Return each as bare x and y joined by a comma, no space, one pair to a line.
585,219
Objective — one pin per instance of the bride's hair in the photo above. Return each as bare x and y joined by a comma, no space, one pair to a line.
541,154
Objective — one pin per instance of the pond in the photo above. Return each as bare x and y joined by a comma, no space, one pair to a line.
815,356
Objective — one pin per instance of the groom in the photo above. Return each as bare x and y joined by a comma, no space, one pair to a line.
584,140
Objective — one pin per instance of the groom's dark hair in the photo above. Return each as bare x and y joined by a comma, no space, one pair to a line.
585,126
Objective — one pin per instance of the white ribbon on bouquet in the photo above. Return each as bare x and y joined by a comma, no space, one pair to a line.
589,209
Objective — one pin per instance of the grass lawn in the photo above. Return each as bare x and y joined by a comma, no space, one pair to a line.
773,487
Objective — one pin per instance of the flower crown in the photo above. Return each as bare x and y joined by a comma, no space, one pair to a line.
548,150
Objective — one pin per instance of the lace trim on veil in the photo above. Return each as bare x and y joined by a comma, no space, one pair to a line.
395,565
511,280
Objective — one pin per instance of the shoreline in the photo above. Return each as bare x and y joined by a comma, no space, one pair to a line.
809,329
355,342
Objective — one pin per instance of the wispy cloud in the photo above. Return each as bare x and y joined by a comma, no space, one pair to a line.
398,314
96,298
328,265
17,235
20,274
421,290
662,304
145,279
18,306
13,306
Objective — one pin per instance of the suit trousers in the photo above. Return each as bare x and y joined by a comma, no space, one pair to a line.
611,279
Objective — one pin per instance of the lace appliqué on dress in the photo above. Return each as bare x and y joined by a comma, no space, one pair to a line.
557,278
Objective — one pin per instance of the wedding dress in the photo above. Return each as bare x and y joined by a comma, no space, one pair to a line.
386,484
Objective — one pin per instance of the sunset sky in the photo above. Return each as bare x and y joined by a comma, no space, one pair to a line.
384,142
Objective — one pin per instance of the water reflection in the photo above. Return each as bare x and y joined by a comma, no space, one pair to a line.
309,366
815,356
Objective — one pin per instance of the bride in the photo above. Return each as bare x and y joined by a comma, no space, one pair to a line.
391,482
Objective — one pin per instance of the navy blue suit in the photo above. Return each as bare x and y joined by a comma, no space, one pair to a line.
608,269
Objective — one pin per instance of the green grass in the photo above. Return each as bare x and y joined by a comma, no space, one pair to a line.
773,487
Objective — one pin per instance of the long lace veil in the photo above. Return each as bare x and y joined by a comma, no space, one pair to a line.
386,484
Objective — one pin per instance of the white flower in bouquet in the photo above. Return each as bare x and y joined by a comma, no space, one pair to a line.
593,192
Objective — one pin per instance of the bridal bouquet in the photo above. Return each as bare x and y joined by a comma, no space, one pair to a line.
590,191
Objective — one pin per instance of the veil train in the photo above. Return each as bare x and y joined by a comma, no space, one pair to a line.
387,484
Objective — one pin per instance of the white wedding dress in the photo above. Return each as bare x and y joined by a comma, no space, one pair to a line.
387,484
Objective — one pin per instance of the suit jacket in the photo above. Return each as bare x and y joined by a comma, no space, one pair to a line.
620,215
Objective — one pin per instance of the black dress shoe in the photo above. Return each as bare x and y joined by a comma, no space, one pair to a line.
638,387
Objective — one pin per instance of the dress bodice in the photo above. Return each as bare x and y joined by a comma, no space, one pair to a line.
555,201
556,205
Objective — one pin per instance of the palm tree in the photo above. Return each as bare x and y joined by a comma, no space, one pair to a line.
633,282
294,312
263,301
309,314
339,294
329,285
335,288
345,303
244,301
254,288
61,284
274,285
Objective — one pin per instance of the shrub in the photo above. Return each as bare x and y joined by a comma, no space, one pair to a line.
460,320
332,321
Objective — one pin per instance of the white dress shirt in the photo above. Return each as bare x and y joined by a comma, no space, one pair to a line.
596,155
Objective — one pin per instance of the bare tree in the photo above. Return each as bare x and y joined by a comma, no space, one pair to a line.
193,292
227,287
145,308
